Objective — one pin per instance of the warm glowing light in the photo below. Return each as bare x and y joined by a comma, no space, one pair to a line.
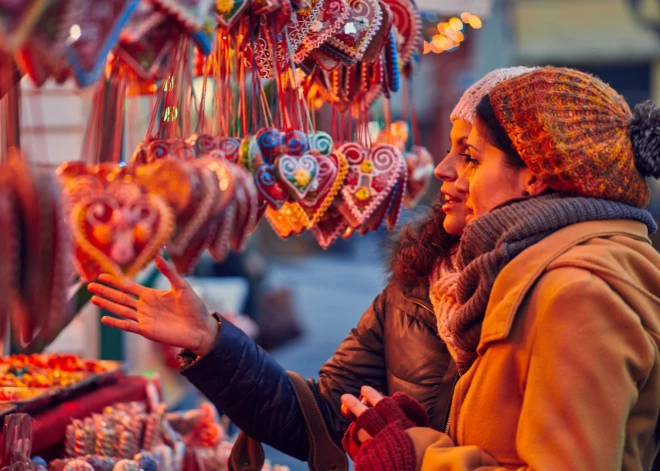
465,16
442,42
441,28
75,32
475,22
427,47
455,24
460,37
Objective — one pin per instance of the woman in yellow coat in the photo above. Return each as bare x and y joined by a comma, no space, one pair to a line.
554,319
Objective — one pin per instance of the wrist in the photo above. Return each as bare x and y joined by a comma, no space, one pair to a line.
208,336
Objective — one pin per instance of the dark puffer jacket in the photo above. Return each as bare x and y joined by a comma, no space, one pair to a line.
395,347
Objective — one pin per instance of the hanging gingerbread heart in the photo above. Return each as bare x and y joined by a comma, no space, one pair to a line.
297,174
350,44
321,142
205,144
151,54
330,227
191,14
193,219
230,147
97,34
420,167
169,179
371,175
229,11
290,219
268,141
184,260
375,47
329,22
247,202
408,24
326,61
331,181
279,222
271,191
219,247
394,212
119,238
295,143
145,18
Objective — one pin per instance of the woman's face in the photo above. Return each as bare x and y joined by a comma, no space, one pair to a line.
488,180
448,171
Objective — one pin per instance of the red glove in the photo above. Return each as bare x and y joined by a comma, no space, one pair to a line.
390,450
400,408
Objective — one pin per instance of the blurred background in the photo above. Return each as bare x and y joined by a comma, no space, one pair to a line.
300,301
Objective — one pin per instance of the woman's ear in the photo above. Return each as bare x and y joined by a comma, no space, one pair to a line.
535,186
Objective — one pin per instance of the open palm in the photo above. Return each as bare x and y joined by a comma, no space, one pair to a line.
176,317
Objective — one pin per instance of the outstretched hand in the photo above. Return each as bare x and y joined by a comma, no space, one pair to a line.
177,317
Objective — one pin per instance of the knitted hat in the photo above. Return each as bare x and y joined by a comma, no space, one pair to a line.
467,105
578,134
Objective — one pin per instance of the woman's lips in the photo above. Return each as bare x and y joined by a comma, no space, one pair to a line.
450,202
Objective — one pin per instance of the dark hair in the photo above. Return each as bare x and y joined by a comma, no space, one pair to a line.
496,134
419,248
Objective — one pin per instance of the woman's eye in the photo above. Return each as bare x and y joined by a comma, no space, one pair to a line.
469,160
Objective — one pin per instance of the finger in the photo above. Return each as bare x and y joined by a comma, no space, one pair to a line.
122,283
168,270
117,309
363,436
113,295
353,404
372,396
126,326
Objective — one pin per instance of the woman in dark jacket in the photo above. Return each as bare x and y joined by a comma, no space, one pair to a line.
254,391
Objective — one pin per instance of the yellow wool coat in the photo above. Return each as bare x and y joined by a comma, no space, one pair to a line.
568,373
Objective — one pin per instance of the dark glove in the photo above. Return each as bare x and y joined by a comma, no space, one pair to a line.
390,450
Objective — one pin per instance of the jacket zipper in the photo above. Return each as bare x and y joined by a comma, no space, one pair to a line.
451,407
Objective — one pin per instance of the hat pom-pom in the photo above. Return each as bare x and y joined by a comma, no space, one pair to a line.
644,134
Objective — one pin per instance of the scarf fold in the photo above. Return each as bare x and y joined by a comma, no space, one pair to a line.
460,294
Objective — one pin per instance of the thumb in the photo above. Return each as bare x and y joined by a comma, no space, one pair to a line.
169,272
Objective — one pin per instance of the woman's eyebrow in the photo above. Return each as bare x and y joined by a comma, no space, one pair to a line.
472,147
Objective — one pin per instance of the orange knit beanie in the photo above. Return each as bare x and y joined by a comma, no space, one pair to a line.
578,134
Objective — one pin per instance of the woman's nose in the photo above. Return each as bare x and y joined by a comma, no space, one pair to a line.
446,170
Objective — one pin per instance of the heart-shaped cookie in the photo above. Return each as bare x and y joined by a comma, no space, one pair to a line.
350,43
269,187
148,56
169,179
269,143
185,259
230,147
371,175
98,34
219,247
332,173
205,144
329,22
375,48
321,142
295,143
330,227
118,238
408,24
420,167
192,14
298,173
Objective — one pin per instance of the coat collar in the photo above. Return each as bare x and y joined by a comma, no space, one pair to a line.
520,275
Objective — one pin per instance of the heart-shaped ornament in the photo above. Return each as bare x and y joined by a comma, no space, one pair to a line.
408,24
247,208
268,141
196,215
298,174
330,227
192,14
219,247
205,144
230,147
329,22
394,213
350,43
371,175
295,143
97,35
185,260
269,187
115,238
289,219
331,179
375,47
321,142
149,56
169,179
420,167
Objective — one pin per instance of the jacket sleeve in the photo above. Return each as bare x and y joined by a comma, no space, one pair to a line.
588,356
359,361
252,389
